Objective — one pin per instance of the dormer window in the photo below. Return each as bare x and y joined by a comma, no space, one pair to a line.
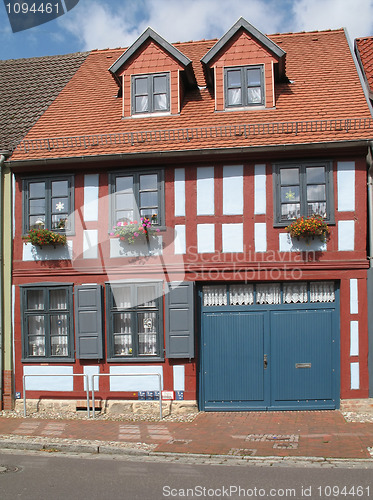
244,86
150,93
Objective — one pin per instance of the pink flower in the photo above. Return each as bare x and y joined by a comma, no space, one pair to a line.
119,224
136,234
111,234
158,230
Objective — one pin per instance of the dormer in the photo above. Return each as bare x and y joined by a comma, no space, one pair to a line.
153,76
243,67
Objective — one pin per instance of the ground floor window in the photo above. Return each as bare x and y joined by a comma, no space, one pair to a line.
46,322
134,321
293,292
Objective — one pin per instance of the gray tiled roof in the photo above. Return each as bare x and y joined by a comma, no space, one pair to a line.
27,88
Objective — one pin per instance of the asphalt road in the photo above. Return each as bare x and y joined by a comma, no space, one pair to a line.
52,476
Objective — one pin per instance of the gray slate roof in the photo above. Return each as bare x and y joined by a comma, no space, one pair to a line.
27,88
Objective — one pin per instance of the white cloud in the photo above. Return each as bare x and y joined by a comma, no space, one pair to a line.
355,15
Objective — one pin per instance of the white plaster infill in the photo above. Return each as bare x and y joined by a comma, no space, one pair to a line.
289,244
34,253
138,249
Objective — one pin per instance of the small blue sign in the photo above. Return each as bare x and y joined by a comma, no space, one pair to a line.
17,395
156,395
179,395
141,395
150,395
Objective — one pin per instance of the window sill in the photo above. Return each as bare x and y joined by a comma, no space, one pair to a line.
47,360
286,224
159,114
155,359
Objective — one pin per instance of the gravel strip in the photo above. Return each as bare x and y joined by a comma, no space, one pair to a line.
361,418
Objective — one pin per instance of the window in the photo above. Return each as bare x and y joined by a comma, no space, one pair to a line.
47,322
303,189
48,203
134,321
150,93
244,86
135,195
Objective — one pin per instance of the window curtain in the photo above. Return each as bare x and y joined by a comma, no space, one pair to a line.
214,295
268,293
294,293
322,291
241,295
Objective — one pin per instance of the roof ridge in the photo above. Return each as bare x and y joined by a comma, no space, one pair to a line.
39,58
326,31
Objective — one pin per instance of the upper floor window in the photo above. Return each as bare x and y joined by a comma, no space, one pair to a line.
150,93
137,194
47,203
47,322
244,86
303,189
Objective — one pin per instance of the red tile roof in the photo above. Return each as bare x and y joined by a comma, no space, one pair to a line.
365,53
322,102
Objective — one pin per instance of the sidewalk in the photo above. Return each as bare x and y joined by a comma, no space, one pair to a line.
255,434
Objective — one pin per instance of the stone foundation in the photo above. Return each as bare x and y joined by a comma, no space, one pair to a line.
7,402
111,407
357,405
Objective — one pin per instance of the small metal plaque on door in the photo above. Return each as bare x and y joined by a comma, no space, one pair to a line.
302,365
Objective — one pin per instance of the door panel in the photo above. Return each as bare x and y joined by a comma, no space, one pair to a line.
232,352
301,361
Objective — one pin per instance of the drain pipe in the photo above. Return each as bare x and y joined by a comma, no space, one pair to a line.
370,272
2,160
370,203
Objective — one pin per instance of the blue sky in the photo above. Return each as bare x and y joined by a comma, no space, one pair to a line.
117,23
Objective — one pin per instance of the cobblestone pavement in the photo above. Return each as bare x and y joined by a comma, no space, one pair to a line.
244,434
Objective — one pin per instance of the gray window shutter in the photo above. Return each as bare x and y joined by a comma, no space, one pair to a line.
88,322
180,320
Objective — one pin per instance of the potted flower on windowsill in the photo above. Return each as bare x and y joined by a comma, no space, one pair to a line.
45,237
134,231
308,228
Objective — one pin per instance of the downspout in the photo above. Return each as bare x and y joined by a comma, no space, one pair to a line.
370,203
2,160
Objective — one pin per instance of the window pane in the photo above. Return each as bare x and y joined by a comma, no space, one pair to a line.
160,84
268,294
58,324
60,222
35,300
60,188
317,209
147,334
58,299
37,189
121,297
289,176
290,211
146,296
122,334
289,194
148,181
151,214
60,205
124,184
122,345
37,221
316,193
36,346
124,216
141,103
234,78
254,77
234,97
315,175
148,199
36,325
37,206
124,201
254,95
59,346
160,102
141,85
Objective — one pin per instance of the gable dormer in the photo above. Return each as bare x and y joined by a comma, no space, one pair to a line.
243,67
152,75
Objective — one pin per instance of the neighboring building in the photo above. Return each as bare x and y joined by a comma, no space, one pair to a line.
28,87
364,54
221,144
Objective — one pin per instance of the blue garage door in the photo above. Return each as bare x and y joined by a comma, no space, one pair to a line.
265,348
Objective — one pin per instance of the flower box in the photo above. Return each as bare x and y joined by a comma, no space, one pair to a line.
134,231
45,237
309,228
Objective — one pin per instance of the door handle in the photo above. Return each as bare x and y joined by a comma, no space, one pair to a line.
265,361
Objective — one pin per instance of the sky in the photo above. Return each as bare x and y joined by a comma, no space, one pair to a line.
94,24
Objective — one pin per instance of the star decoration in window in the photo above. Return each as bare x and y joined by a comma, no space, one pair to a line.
290,195
60,206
